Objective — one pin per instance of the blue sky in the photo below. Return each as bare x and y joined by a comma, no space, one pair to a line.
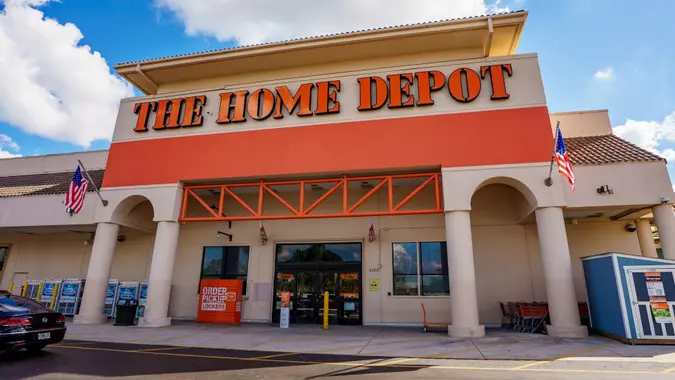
593,55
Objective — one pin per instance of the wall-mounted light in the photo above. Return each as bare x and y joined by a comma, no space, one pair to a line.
221,233
604,190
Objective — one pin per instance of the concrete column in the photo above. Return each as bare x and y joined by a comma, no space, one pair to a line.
645,238
92,309
557,265
161,273
665,223
463,297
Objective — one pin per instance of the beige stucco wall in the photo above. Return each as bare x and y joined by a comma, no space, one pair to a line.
524,86
52,163
507,259
65,255
582,123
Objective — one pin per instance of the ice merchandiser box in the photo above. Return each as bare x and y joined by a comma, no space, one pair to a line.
631,298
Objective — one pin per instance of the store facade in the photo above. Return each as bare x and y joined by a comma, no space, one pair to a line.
388,167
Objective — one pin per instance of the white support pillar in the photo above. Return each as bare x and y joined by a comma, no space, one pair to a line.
557,264
161,274
665,223
463,295
92,309
645,238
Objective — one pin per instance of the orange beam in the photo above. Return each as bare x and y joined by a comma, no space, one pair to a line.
323,197
236,198
261,195
283,202
345,194
302,197
184,208
415,192
368,195
221,203
304,212
206,206
313,216
391,194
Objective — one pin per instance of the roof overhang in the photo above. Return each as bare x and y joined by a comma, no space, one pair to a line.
493,35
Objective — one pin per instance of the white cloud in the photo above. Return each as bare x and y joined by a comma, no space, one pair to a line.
657,137
49,84
6,142
256,21
604,74
650,135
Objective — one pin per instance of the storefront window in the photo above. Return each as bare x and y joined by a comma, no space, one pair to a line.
420,269
227,263
3,257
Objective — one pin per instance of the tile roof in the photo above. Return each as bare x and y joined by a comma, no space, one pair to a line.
428,23
42,184
606,149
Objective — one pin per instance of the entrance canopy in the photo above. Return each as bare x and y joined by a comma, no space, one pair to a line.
406,194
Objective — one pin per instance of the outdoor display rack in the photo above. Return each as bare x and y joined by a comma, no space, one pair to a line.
69,296
111,298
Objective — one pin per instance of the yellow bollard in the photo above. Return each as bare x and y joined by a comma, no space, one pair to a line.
325,310
24,290
11,287
56,292
39,294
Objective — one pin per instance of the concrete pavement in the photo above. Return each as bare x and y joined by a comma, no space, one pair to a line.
75,360
372,341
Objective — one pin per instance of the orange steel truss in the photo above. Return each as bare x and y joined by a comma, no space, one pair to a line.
306,210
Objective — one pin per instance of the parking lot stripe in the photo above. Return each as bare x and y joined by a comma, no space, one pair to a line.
158,349
527,365
354,364
277,355
583,351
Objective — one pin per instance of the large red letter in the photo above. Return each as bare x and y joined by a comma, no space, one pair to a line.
261,104
326,93
226,105
457,88
303,98
143,111
192,117
399,85
425,87
497,79
366,97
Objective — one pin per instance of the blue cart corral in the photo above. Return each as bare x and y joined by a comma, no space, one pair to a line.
631,298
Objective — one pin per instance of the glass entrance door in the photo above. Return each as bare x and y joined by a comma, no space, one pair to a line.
309,270
349,300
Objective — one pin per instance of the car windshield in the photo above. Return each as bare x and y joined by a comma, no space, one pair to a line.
19,304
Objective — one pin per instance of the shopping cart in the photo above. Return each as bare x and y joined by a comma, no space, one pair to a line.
427,324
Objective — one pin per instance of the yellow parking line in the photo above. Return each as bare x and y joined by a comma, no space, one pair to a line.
527,365
397,361
350,364
276,355
158,349
669,370
584,351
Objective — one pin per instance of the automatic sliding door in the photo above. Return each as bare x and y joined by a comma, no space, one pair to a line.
305,311
328,283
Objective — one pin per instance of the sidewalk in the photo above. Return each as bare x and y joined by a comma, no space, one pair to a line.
373,341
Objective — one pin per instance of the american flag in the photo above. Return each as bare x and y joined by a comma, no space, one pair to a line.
563,160
75,194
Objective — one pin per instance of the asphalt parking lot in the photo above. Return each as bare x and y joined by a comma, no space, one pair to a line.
99,360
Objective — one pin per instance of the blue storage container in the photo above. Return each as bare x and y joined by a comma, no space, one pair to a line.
631,298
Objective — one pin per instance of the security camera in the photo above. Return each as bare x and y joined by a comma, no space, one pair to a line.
665,199
630,227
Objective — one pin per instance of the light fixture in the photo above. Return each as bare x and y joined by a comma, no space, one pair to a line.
220,233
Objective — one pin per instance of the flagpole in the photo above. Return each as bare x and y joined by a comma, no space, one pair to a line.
105,202
549,181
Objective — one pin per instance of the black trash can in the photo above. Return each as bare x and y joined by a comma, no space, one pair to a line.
126,312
